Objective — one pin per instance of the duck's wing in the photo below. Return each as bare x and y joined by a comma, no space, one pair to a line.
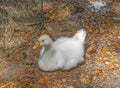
60,40
42,51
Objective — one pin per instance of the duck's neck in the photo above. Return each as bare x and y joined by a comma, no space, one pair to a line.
50,50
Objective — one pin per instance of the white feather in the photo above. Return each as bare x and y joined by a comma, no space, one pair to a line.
42,51
64,54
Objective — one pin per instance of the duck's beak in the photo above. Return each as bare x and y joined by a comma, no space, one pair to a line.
36,45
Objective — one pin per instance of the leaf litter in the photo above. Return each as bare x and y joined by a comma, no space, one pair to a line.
101,67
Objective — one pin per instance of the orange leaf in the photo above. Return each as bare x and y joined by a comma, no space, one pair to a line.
23,73
31,69
27,35
41,80
0,68
111,65
36,45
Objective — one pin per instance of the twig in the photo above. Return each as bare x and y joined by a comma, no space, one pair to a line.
32,24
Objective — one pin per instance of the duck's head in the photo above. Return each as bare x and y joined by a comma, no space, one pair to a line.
45,41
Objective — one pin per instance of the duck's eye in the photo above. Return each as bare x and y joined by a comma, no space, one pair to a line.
42,40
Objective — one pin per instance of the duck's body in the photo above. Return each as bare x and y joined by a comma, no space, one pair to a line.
63,54
51,60
73,50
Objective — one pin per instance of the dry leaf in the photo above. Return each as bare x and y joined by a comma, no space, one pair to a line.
41,80
52,17
0,68
83,80
36,45
109,64
31,69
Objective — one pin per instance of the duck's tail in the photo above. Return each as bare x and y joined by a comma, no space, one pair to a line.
80,35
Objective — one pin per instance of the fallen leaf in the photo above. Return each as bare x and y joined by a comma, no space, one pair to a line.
64,80
107,63
31,69
0,68
36,45
109,53
111,65
83,80
41,80
23,73
52,17
112,61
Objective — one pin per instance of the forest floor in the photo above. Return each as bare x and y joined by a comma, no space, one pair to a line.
102,51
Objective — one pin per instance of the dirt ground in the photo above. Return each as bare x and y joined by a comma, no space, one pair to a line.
101,69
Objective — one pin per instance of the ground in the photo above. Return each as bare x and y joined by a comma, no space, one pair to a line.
102,50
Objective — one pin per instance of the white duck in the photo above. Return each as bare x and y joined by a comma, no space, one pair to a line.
63,54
